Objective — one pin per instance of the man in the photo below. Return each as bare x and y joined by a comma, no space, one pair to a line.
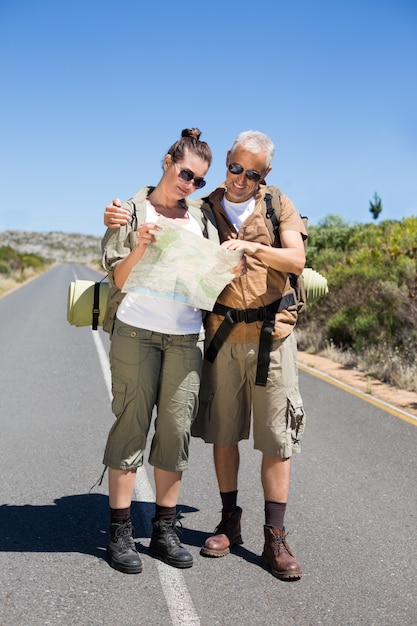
250,365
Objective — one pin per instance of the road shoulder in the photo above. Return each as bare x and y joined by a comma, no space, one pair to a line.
400,398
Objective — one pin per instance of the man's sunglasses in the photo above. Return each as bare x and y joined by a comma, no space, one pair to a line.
252,175
188,176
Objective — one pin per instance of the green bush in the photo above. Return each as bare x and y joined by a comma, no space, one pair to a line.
340,327
13,261
32,261
371,271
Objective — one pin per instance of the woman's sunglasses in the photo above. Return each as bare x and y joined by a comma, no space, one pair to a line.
252,175
188,176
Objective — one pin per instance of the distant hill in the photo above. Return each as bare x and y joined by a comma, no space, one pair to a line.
60,247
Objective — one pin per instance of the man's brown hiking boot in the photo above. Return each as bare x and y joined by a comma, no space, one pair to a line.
226,535
277,556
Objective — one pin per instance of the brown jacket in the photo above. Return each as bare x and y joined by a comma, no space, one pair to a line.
261,285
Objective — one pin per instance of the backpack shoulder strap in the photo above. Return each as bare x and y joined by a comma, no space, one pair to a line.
273,213
137,211
137,206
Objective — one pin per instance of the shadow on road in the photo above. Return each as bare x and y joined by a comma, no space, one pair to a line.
79,523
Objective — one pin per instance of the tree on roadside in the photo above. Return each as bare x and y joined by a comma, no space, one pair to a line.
375,206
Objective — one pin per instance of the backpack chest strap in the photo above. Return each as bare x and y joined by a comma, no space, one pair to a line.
265,314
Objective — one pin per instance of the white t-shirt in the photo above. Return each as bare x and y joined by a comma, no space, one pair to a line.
158,314
237,212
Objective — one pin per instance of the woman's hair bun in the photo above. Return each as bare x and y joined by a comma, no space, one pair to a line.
191,132
190,142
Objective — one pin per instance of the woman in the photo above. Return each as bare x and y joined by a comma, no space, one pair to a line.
155,360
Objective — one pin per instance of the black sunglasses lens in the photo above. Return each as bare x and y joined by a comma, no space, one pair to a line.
186,175
253,175
235,168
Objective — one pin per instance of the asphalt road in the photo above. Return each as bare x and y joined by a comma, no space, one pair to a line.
351,514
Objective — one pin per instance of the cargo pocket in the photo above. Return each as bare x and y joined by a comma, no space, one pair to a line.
119,397
296,418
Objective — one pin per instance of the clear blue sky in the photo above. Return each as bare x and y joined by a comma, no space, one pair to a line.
93,92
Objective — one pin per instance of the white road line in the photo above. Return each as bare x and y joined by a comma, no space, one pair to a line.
104,361
177,596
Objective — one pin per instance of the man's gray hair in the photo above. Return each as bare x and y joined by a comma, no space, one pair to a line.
255,141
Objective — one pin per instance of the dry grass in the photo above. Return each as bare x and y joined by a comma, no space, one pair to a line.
16,279
381,362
